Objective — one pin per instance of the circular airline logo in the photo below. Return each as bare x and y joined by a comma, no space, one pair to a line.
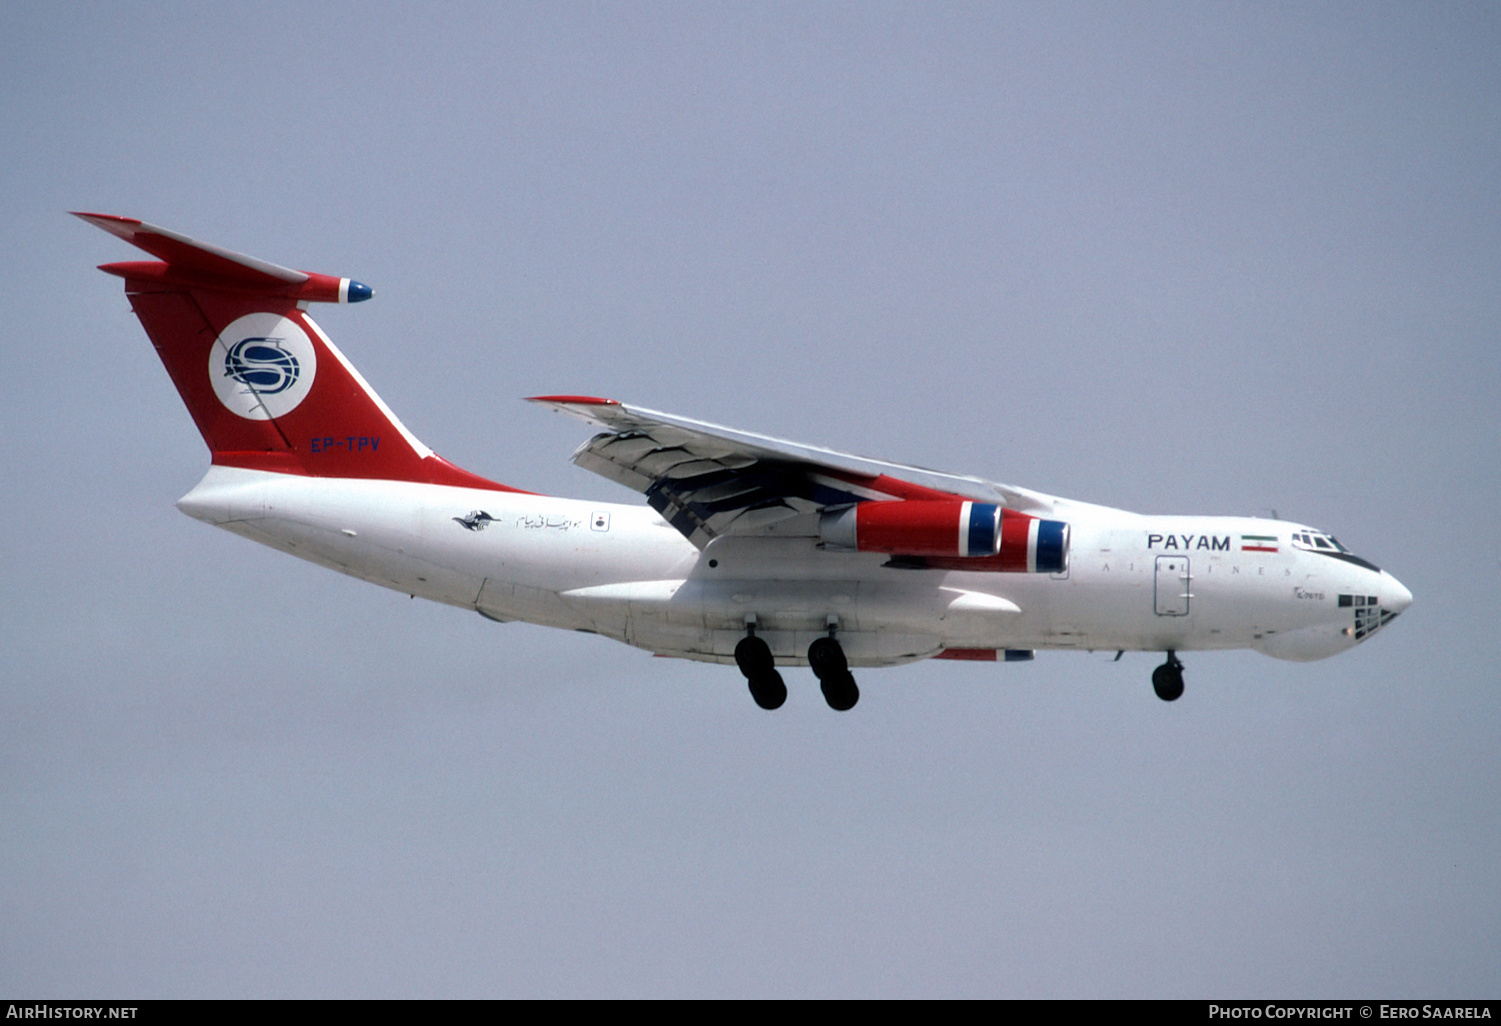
262,366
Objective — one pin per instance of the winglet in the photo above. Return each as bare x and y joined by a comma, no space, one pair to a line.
185,261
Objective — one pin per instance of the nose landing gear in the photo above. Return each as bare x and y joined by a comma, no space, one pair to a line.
826,657
1167,679
753,656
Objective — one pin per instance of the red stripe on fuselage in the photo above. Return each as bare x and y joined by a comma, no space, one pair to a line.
976,655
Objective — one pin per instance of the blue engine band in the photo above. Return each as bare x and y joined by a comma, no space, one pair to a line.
1051,555
982,527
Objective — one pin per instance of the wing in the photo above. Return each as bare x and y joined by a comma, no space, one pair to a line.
707,481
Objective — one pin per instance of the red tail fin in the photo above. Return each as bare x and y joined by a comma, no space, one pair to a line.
266,387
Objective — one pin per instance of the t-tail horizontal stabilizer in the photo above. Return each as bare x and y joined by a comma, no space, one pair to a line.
190,263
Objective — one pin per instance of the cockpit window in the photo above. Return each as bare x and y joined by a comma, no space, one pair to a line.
1315,541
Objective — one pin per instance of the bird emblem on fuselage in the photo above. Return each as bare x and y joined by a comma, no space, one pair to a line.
477,520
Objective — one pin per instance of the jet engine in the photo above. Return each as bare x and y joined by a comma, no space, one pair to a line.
946,528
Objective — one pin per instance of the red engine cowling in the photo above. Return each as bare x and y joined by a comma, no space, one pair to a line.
948,528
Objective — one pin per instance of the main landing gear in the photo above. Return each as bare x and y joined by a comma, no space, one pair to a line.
1167,679
753,656
825,656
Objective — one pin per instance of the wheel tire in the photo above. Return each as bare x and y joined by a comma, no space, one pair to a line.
826,657
753,656
840,691
768,690
1167,681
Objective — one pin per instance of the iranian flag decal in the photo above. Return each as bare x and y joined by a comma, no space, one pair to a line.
1258,543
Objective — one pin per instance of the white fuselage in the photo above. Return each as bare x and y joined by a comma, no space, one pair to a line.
1153,583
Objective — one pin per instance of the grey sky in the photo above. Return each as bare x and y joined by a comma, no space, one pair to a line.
1197,258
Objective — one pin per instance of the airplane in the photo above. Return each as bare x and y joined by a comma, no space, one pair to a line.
750,550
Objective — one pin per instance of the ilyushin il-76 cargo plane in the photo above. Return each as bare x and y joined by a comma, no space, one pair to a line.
750,550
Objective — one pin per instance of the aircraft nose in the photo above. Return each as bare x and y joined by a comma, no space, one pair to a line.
1394,596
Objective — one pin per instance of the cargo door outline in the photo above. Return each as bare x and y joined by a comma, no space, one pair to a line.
1172,593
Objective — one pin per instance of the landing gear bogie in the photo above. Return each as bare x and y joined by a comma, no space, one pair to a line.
826,658
754,658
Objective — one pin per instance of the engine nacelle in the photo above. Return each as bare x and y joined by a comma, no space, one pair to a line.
949,528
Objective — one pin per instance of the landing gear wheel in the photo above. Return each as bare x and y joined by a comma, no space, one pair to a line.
839,691
753,656
1167,679
768,689
826,657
